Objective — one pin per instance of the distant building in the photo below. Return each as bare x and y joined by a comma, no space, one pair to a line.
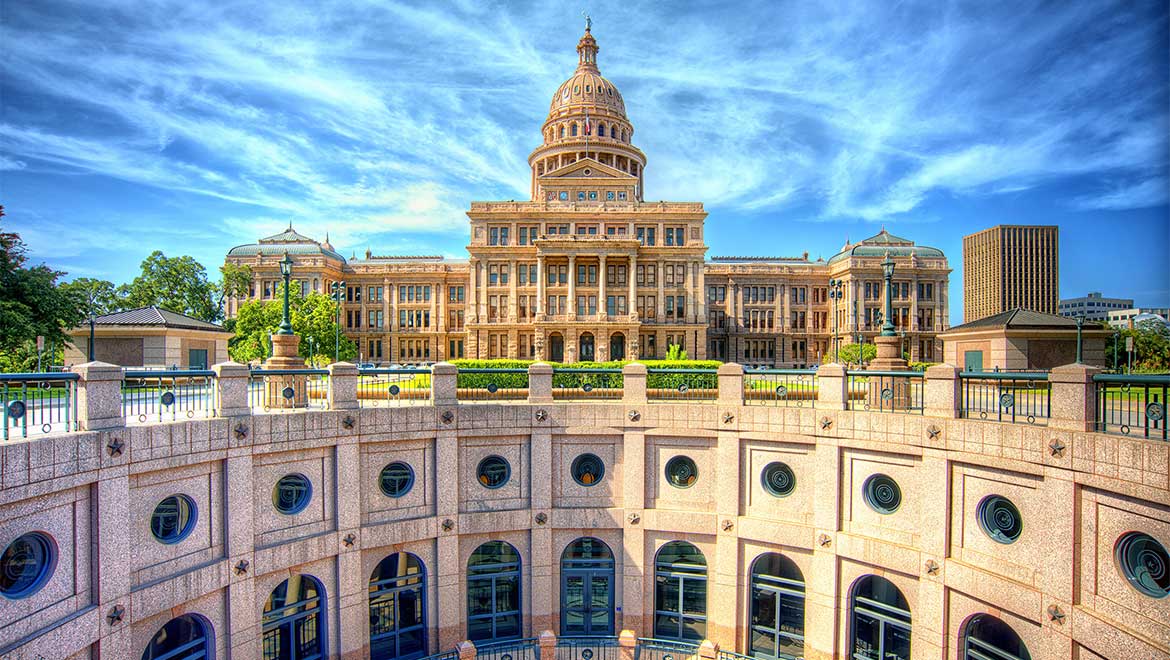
1124,318
1008,267
150,337
1019,340
1094,307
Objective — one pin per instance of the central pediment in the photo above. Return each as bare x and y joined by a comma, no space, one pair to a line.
588,168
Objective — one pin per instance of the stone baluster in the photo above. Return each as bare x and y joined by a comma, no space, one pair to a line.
99,396
343,386
231,389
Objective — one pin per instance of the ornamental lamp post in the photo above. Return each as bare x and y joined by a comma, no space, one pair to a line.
1080,326
312,349
835,294
286,271
338,289
888,271
1116,336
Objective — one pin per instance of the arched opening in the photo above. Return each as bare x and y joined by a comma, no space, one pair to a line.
587,579
562,131
680,592
880,620
988,638
182,638
617,346
556,347
601,130
573,129
293,624
398,612
586,347
777,617
493,592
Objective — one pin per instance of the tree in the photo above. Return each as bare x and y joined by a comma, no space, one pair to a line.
849,352
313,316
178,284
1151,347
236,282
101,292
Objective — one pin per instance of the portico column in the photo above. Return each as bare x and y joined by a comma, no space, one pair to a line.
602,309
660,312
473,292
689,308
632,280
512,291
540,277
572,311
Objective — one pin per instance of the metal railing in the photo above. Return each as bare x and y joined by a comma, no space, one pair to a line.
587,384
682,384
453,654
158,395
649,648
1132,404
43,401
485,385
780,387
587,648
282,390
512,649
885,391
393,387
732,655
1005,396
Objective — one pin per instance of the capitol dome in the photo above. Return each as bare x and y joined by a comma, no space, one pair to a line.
587,88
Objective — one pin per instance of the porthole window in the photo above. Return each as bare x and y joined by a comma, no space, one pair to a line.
173,519
587,469
396,479
1145,563
564,195
493,472
1000,519
682,472
26,565
882,494
292,493
778,479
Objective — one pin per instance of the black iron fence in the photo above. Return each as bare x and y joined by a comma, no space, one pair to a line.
150,395
514,649
885,391
484,385
649,648
587,384
682,384
44,402
780,387
282,390
588,648
1005,396
1132,404
393,387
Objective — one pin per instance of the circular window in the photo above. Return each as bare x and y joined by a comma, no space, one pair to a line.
778,479
292,493
27,563
1145,563
587,469
882,494
396,479
493,472
682,472
173,519
1000,519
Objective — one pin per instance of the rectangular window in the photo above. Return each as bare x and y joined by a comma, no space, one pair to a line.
645,235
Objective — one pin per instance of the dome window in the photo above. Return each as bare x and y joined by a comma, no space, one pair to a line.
588,89
609,90
573,130
576,89
601,130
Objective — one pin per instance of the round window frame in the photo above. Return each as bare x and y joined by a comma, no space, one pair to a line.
187,527
675,460
867,490
507,472
985,515
47,569
302,504
577,464
771,490
1126,571
409,482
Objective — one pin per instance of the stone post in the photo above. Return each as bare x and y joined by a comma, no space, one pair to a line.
540,375
231,389
730,384
634,383
343,384
548,644
1073,401
99,396
833,387
943,395
466,650
443,380
708,650
627,644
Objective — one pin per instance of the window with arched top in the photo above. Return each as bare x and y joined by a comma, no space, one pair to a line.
777,616
573,130
293,625
182,638
988,638
587,588
562,131
493,592
880,620
680,592
398,612
601,130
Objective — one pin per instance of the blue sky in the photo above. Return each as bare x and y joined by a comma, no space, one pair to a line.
192,126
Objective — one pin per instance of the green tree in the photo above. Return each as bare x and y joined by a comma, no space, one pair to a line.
236,280
1151,347
849,352
313,316
102,293
179,284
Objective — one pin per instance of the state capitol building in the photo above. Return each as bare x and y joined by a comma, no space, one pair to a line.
590,271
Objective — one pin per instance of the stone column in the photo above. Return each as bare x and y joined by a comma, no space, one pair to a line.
111,548
660,312
1073,401
444,376
343,386
627,644
541,276
943,394
99,396
701,294
512,306
540,375
688,286
243,618
730,377
833,387
572,302
231,389
708,650
634,383
548,644
451,577
602,309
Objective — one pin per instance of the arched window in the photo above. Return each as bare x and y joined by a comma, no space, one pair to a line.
680,592
880,617
601,130
398,612
573,130
988,638
294,620
493,592
587,586
182,638
585,345
562,131
777,608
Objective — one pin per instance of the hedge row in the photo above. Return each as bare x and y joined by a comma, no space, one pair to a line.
563,379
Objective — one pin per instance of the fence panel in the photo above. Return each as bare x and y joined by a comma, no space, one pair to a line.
682,384
1132,404
1016,397
886,391
587,384
780,387
515,649
588,648
44,402
393,387
285,390
665,649
480,385
150,395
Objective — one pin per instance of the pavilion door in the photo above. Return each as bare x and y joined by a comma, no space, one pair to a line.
973,361
587,602
556,348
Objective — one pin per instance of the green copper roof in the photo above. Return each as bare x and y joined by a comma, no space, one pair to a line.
886,243
286,241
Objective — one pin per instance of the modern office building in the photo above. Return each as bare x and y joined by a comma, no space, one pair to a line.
1124,318
1094,307
1011,266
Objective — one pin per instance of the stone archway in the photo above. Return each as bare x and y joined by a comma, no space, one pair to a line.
617,346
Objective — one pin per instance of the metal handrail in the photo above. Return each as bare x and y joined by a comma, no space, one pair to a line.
381,371
1005,375
24,377
169,373
906,374
290,372
491,370
1151,379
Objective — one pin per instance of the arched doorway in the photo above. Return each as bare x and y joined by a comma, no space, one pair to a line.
777,601
398,628
184,637
556,347
493,592
294,620
617,346
986,637
680,592
585,347
587,579
880,619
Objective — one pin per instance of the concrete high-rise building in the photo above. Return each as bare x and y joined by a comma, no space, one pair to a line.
1008,267
1094,307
